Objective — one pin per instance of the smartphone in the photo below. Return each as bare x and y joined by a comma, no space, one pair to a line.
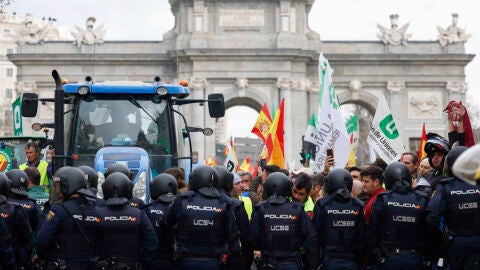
330,152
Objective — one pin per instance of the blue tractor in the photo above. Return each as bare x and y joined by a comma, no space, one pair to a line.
137,124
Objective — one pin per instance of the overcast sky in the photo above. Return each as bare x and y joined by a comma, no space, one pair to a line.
333,20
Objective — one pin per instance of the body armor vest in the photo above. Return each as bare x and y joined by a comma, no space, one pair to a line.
281,229
462,215
403,220
121,226
202,225
156,214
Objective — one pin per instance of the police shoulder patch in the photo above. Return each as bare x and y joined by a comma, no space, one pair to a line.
50,215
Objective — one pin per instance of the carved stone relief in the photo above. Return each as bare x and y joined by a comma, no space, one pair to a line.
452,34
395,86
198,83
424,105
456,87
284,83
355,85
90,35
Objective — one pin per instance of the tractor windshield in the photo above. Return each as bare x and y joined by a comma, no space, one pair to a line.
124,121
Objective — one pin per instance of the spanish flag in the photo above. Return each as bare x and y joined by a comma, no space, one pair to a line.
263,124
275,146
246,166
211,162
423,140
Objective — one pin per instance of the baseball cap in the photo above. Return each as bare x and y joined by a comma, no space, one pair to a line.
236,178
305,170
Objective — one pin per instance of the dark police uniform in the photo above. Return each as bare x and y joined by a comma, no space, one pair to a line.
279,231
7,258
457,202
32,209
127,236
205,227
241,247
340,226
396,232
68,237
156,212
20,231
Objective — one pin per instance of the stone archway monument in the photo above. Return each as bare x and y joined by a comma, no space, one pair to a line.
265,50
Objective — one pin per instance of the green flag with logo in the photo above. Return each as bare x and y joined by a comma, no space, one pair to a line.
352,124
384,136
17,117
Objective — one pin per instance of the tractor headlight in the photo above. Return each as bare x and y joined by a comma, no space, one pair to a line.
162,91
101,180
140,188
83,90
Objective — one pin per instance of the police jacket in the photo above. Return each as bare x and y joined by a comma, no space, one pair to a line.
205,225
18,226
126,234
340,226
279,229
241,220
7,259
70,232
156,212
458,203
32,209
398,221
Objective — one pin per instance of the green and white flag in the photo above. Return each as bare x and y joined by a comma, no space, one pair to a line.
331,130
311,131
17,116
384,136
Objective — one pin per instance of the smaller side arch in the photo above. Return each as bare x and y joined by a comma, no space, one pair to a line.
252,98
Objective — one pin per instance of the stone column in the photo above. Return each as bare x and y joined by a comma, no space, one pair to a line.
395,89
197,115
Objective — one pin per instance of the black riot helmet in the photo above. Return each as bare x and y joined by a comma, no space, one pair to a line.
92,176
451,158
204,179
163,188
118,167
72,180
277,187
397,173
338,179
117,189
4,187
225,179
19,180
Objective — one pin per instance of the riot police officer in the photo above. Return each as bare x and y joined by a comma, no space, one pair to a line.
18,226
241,256
279,227
396,232
437,149
7,259
92,178
92,183
456,202
339,221
119,167
163,191
68,236
205,222
19,196
127,238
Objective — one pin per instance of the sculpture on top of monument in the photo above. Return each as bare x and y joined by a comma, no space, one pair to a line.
452,34
30,33
90,35
394,35
3,13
